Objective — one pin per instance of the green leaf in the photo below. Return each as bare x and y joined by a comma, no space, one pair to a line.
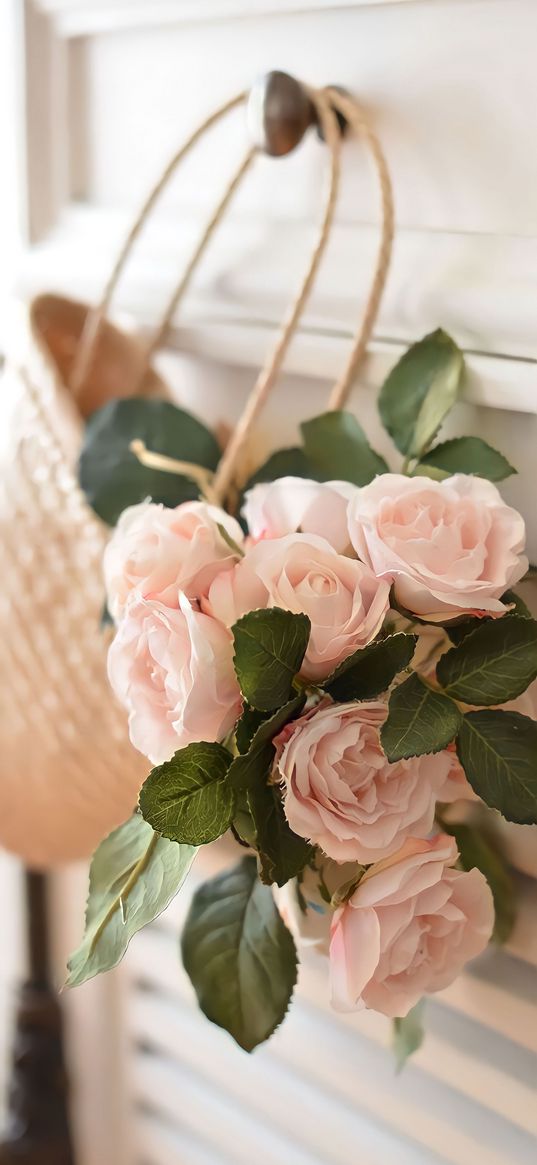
282,853
371,670
468,455
247,726
420,720
420,391
269,648
254,766
240,957
494,663
258,818
337,446
498,752
283,463
477,850
408,1035
111,475
243,824
461,630
423,470
106,619
458,631
134,875
190,798
519,607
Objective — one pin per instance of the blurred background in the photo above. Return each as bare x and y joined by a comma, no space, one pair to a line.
95,95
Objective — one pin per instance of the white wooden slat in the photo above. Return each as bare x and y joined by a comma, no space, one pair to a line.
483,1079
340,1065
265,1084
173,1089
255,262
445,1121
479,1072
160,1143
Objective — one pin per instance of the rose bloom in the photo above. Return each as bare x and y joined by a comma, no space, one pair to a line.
159,551
293,504
302,573
173,671
450,547
408,928
344,795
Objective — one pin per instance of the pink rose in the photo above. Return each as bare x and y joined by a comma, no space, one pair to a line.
291,504
302,573
457,786
342,793
409,928
451,547
159,551
173,671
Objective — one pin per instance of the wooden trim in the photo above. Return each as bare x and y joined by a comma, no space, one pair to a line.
238,325
45,121
90,17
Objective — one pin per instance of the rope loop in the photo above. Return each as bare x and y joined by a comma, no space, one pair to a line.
326,105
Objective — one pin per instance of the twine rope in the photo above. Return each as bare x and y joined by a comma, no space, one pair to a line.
220,210
90,334
230,459
326,101
360,124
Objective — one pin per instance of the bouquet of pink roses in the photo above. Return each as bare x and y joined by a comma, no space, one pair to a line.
322,674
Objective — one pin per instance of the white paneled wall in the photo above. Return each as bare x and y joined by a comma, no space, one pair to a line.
325,1086
112,88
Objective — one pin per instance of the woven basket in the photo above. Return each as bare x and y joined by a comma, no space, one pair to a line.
69,773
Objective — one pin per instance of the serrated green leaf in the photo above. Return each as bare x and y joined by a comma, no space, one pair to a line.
420,720
190,798
518,605
498,752
370,671
423,470
420,391
459,630
243,825
269,648
476,849
282,853
111,475
408,1035
468,455
240,957
284,463
494,663
258,819
247,726
336,445
134,875
253,767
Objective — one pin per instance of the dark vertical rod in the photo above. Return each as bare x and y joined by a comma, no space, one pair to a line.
38,1130
37,928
